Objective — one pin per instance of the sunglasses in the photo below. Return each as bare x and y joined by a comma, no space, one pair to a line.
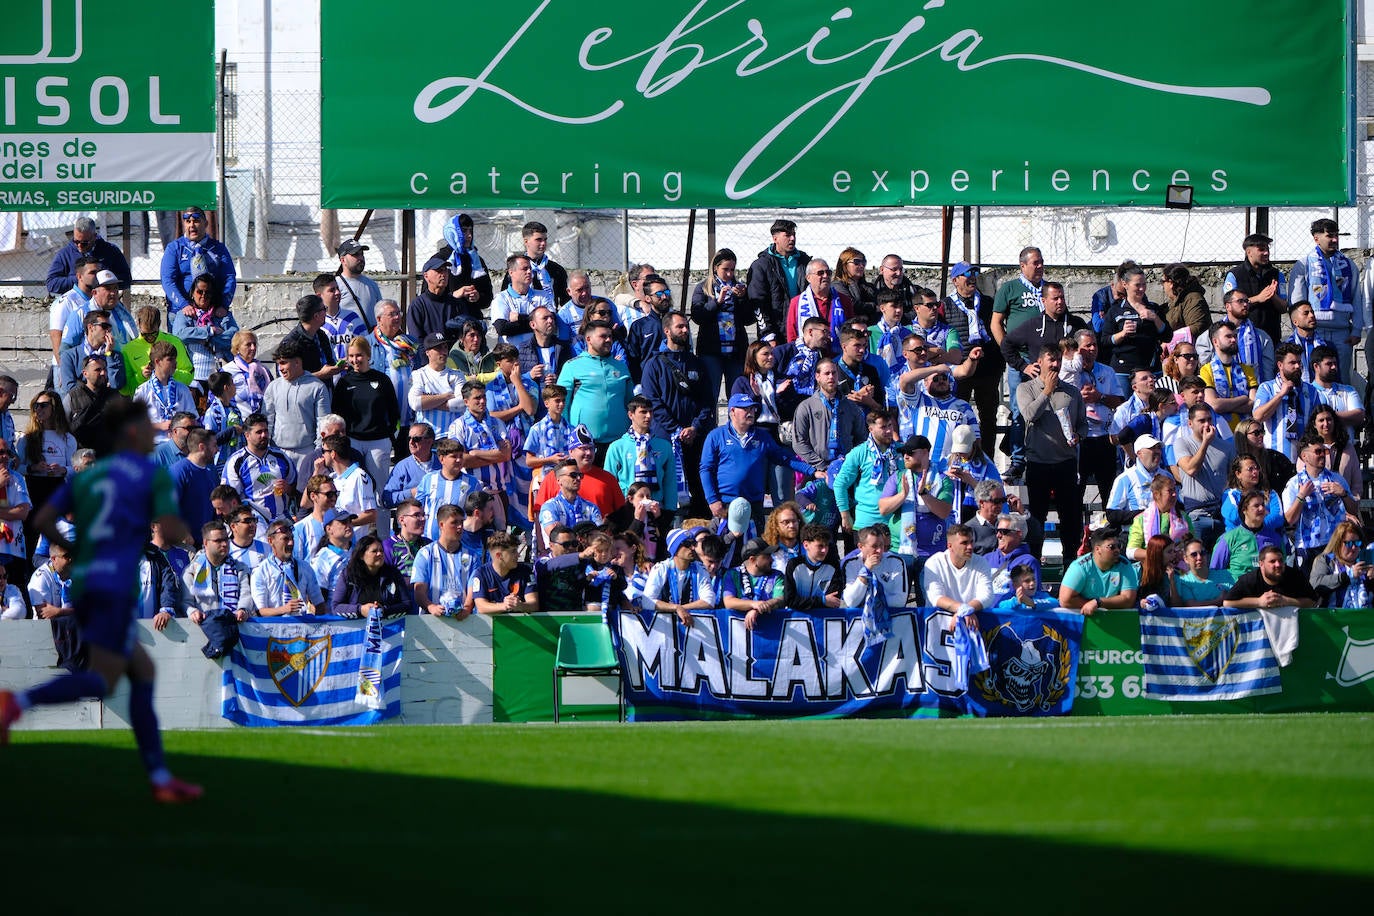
1005,532
327,494
1353,543
193,217
663,294
420,438
573,475
566,545
1186,355
38,404
996,502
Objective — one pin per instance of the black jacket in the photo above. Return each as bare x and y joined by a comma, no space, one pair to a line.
1022,346
705,314
767,291
368,402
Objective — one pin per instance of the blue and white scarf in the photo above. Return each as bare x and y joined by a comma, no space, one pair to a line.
1355,594
832,438
683,496
802,369
889,348
602,577
646,465
1320,513
976,332
884,462
572,512
808,308
1307,344
725,314
454,236
877,620
1249,351
1325,277
1224,378
214,586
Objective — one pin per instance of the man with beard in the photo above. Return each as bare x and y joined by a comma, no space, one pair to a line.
598,387
1330,281
684,412
1231,385
1304,334
1342,398
645,337
1285,404
1256,346
936,411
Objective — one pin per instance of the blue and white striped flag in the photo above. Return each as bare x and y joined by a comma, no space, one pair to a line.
1206,653
314,671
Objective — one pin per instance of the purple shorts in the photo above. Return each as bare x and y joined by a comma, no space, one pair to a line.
107,621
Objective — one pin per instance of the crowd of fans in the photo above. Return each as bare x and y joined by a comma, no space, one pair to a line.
532,445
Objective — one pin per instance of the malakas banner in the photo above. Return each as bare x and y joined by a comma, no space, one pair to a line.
756,103
107,106
819,663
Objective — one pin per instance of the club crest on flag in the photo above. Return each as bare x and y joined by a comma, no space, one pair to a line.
298,665
1029,671
1357,661
1211,644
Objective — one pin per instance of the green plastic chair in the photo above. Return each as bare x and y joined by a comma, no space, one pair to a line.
585,650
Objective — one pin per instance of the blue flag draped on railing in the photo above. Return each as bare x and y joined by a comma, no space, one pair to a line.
314,671
1032,663
1206,653
795,664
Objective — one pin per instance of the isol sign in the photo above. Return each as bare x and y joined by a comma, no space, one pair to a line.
93,118
760,104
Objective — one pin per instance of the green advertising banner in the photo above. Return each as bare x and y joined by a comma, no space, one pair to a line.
105,107
1332,669
745,103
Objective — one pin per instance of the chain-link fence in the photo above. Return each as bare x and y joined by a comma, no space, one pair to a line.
273,224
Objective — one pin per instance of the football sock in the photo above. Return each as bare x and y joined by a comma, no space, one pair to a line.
144,721
64,688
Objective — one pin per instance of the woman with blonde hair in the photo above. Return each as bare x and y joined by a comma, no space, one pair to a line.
250,376
1343,575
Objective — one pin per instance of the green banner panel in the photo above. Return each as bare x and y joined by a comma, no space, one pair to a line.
105,109
1332,669
733,103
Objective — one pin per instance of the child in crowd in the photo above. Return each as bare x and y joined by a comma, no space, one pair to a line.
1026,596
222,417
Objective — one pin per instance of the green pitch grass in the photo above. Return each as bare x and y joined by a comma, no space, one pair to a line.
1165,815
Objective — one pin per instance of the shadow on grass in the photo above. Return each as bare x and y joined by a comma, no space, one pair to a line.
80,833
